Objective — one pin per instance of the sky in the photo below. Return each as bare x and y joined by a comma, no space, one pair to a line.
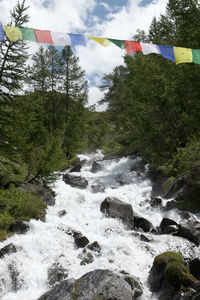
118,19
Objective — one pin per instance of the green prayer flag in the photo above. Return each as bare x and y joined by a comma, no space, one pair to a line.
28,34
119,43
196,56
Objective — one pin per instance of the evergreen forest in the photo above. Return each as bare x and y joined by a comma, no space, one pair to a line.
153,111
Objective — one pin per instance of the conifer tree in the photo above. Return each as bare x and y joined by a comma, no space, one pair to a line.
74,90
13,56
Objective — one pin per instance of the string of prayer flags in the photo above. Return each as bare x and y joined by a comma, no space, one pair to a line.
175,54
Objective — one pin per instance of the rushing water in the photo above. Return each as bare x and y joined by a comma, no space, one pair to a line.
47,242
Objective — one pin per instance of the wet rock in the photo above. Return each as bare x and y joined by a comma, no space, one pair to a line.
170,278
9,249
76,165
170,204
86,258
97,188
95,167
194,266
155,201
94,247
75,181
176,186
16,284
143,238
171,229
116,208
144,224
119,178
80,240
138,167
62,213
185,215
19,227
165,223
56,273
190,229
40,191
97,284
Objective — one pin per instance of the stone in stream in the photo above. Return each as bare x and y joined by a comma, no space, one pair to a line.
19,227
95,167
99,285
116,208
56,273
75,181
170,278
165,223
190,230
144,224
8,249
194,266
80,240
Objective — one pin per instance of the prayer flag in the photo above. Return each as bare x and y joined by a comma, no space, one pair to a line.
167,52
196,56
2,34
28,34
149,48
60,39
119,43
132,47
12,33
77,40
102,41
43,36
183,55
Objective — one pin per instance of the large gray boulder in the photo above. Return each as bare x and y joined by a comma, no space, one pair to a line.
40,191
75,181
98,284
190,229
116,208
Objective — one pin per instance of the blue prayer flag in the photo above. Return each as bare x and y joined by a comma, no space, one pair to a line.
2,34
167,52
77,40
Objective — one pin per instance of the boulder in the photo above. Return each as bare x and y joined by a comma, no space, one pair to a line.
116,208
170,204
190,229
80,240
144,224
62,213
40,191
176,186
165,223
56,273
194,266
86,258
169,277
97,188
157,187
19,227
8,249
76,165
138,167
95,167
75,181
94,247
155,201
99,285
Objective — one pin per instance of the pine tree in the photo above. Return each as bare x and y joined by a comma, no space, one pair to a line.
74,90
13,57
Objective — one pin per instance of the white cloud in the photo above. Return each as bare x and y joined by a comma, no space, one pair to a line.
72,15
96,95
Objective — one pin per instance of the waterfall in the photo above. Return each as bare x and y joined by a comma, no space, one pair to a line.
47,243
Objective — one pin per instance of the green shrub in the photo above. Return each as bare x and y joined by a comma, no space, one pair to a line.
16,204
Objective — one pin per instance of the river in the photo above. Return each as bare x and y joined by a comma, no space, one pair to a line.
121,249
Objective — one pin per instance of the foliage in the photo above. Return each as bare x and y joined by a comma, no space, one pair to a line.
16,204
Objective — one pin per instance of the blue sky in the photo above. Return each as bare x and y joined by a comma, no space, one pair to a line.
117,19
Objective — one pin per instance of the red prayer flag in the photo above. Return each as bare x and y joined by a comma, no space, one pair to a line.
43,36
131,47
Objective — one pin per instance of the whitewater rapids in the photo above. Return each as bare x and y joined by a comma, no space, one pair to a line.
121,249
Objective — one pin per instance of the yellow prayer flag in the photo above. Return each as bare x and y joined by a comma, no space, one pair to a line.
12,33
183,55
102,41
